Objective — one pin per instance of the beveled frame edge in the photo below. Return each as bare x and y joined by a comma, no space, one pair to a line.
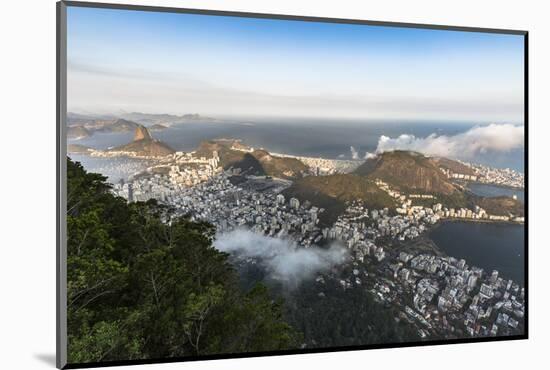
61,186
165,9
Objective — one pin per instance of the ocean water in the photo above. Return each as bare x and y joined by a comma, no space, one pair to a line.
491,246
486,190
316,138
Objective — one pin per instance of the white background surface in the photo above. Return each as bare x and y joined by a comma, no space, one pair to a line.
27,183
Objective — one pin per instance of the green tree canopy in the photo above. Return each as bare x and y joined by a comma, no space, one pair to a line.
144,284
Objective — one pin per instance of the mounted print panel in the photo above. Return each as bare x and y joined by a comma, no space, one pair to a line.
235,184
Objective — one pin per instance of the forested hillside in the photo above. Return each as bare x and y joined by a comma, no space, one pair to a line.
140,287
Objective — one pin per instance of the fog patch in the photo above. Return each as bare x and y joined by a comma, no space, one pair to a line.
282,258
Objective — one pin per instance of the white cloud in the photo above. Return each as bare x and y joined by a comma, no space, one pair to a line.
282,258
478,140
369,155
354,153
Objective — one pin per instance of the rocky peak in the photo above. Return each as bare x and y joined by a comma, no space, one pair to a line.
142,133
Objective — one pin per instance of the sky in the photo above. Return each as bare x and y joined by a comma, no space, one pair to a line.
126,60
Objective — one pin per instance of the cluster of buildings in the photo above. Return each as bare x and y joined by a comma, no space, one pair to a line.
438,211
229,206
186,170
358,225
454,298
458,176
173,174
323,166
442,296
488,175
121,153
498,176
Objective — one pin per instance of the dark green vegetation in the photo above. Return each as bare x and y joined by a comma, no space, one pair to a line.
332,192
330,316
141,288
501,206
498,206
407,171
258,162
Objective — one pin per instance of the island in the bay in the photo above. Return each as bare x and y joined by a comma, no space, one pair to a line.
345,242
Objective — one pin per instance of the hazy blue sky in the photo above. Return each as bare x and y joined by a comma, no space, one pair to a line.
181,63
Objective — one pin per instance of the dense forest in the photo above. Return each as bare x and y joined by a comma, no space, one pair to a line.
143,284
327,315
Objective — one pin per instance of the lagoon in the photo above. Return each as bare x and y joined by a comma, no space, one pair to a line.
491,246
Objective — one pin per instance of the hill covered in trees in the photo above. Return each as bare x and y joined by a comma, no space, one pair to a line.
257,162
407,171
139,287
333,191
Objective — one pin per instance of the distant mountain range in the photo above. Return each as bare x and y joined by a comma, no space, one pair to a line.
82,126
149,119
77,132
118,125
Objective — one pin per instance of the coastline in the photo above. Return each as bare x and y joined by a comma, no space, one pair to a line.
498,185
477,220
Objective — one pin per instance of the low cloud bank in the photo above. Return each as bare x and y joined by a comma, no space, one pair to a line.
477,140
282,258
